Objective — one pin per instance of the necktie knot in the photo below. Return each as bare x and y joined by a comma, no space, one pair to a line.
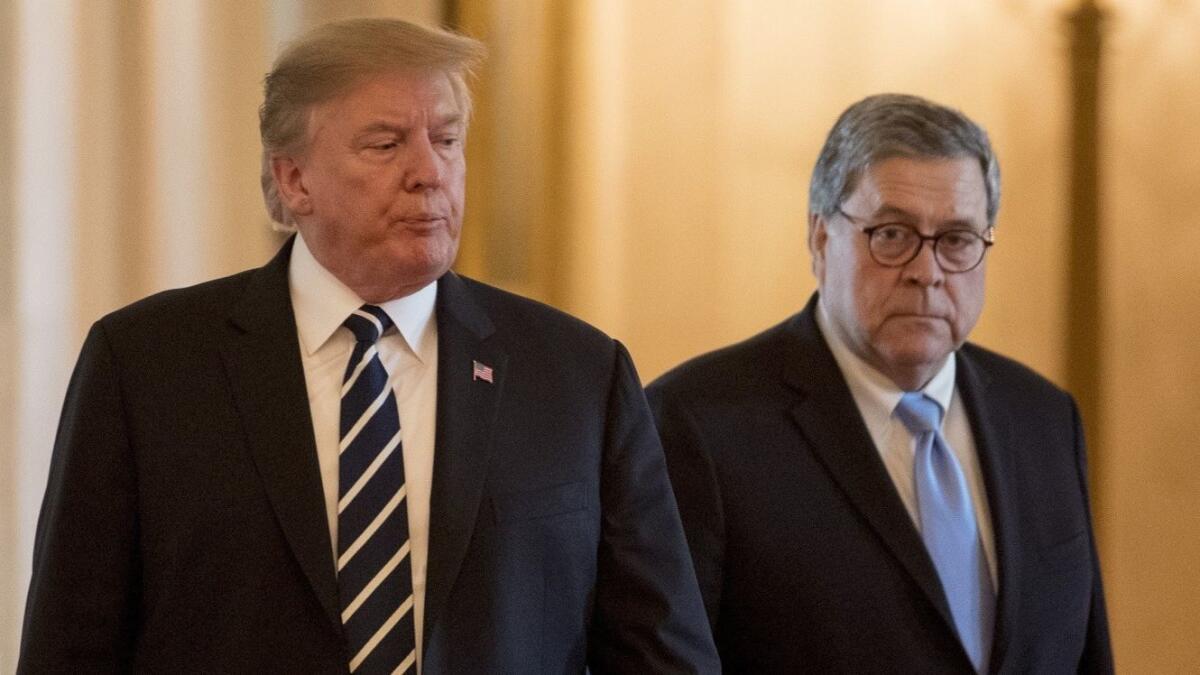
919,413
368,323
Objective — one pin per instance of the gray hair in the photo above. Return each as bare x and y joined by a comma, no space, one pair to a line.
896,125
327,61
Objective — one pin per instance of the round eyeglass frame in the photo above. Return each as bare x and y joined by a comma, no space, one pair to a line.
988,242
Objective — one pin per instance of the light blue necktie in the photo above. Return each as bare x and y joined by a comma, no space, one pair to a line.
949,528
374,566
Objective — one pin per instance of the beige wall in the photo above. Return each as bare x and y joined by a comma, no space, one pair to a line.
1151,501
10,552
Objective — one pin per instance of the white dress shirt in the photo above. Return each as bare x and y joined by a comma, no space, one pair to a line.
409,353
877,397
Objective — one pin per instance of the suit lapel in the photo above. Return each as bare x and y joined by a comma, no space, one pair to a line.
829,420
466,412
262,359
989,425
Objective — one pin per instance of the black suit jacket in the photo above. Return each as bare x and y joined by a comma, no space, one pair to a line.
184,525
807,558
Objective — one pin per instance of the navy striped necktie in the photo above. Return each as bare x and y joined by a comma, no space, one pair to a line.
374,566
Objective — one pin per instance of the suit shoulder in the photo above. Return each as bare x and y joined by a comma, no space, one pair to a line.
744,362
552,347
1009,374
204,302
519,314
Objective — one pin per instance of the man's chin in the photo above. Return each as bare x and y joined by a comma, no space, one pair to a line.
426,259
916,327
426,270
404,276
920,360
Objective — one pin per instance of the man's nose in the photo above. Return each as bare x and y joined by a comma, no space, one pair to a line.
925,269
423,170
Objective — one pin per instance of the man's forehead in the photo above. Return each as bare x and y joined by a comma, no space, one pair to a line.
957,167
393,99
900,185
426,82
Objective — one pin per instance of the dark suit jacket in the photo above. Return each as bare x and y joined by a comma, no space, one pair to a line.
184,526
807,558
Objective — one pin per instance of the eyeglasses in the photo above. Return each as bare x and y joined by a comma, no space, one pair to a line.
897,244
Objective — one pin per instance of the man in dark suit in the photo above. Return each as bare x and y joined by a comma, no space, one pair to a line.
863,491
352,458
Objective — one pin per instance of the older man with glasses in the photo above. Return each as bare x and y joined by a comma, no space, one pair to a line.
863,490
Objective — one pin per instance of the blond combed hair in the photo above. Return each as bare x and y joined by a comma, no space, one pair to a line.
330,59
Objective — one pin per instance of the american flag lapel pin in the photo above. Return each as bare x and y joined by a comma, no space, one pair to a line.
480,371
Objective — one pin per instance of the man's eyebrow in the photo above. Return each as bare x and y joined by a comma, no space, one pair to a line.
381,127
889,212
449,120
400,130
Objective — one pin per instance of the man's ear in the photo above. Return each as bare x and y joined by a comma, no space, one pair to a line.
289,181
818,238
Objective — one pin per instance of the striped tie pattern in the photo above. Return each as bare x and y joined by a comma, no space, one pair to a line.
374,568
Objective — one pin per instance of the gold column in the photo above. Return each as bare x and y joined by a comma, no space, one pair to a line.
1085,334
517,182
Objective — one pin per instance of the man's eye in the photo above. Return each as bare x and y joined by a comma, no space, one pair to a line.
448,142
955,239
892,232
390,145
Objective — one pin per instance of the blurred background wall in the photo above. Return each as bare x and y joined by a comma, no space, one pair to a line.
644,164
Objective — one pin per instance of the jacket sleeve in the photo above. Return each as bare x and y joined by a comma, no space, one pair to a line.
1097,654
648,616
697,491
81,613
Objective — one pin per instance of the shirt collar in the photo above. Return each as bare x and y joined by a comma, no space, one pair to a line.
321,303
873,388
